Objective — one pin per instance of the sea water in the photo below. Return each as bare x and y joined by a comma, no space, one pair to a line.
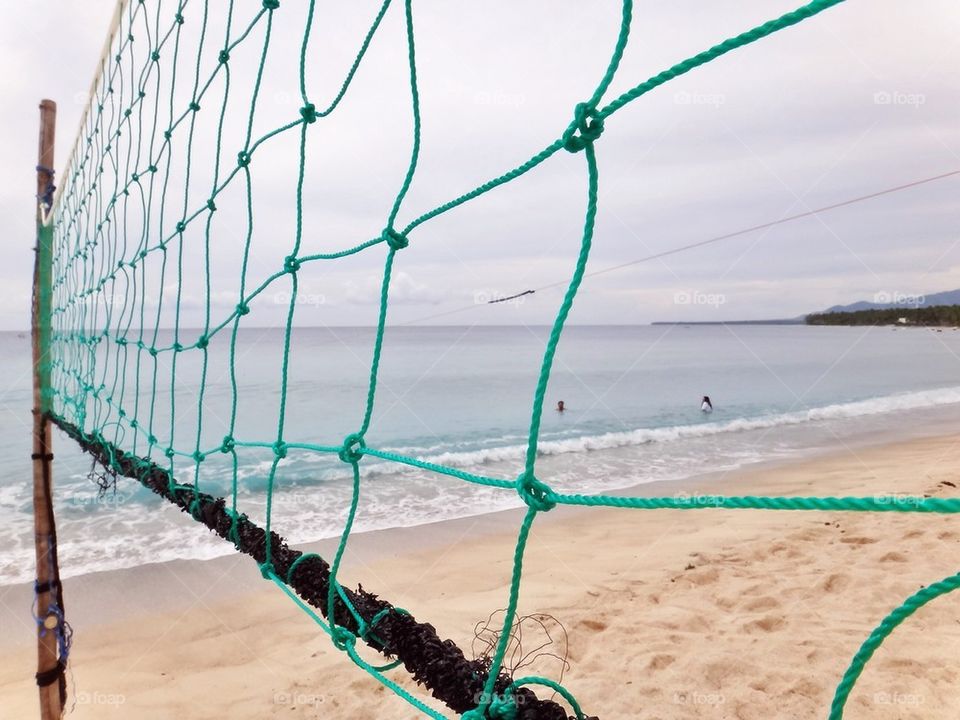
462,397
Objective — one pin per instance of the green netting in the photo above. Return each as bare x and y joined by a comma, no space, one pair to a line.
128,215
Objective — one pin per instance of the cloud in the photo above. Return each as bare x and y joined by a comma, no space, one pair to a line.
404,290
769,130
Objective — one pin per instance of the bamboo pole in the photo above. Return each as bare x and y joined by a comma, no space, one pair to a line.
50,680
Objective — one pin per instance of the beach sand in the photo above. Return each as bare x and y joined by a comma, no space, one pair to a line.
668,614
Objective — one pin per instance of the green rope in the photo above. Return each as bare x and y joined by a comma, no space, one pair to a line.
889,624
750,36
133,152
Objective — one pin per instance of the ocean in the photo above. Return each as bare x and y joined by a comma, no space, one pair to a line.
461,396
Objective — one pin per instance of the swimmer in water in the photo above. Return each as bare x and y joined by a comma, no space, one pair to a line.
560,406
706,405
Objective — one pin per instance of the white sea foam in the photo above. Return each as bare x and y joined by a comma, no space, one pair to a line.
310,512
641,436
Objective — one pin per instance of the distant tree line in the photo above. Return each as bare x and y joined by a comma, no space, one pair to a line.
934,315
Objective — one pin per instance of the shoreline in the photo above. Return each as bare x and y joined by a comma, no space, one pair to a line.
686,614
775,439
367,547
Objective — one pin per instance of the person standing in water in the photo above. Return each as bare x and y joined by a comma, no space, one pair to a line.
560,406
705,404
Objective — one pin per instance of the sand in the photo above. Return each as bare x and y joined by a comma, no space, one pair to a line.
668,614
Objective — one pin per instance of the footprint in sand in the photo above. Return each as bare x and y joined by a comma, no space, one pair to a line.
762,604
858,540
659,662
706,576
594,625
947,535
835,583
779,547
771,623
913,535
807,688
808,535
725,603
894,557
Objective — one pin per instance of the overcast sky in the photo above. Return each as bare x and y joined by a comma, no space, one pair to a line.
862,97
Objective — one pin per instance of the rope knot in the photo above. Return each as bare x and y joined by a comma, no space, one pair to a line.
586,127
291,264
152,439
152,351
352,449
223,57
228,444
155,55
243,158
535,493
151,168
396,240
199,456
243,309
179,18
280,449
169,453
167,134
309,113
202,342
266,570
181,226
271,4
342,637
195,106
367,628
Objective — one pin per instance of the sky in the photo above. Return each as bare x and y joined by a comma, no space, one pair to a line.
862,97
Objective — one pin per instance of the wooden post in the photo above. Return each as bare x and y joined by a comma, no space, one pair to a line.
50,628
